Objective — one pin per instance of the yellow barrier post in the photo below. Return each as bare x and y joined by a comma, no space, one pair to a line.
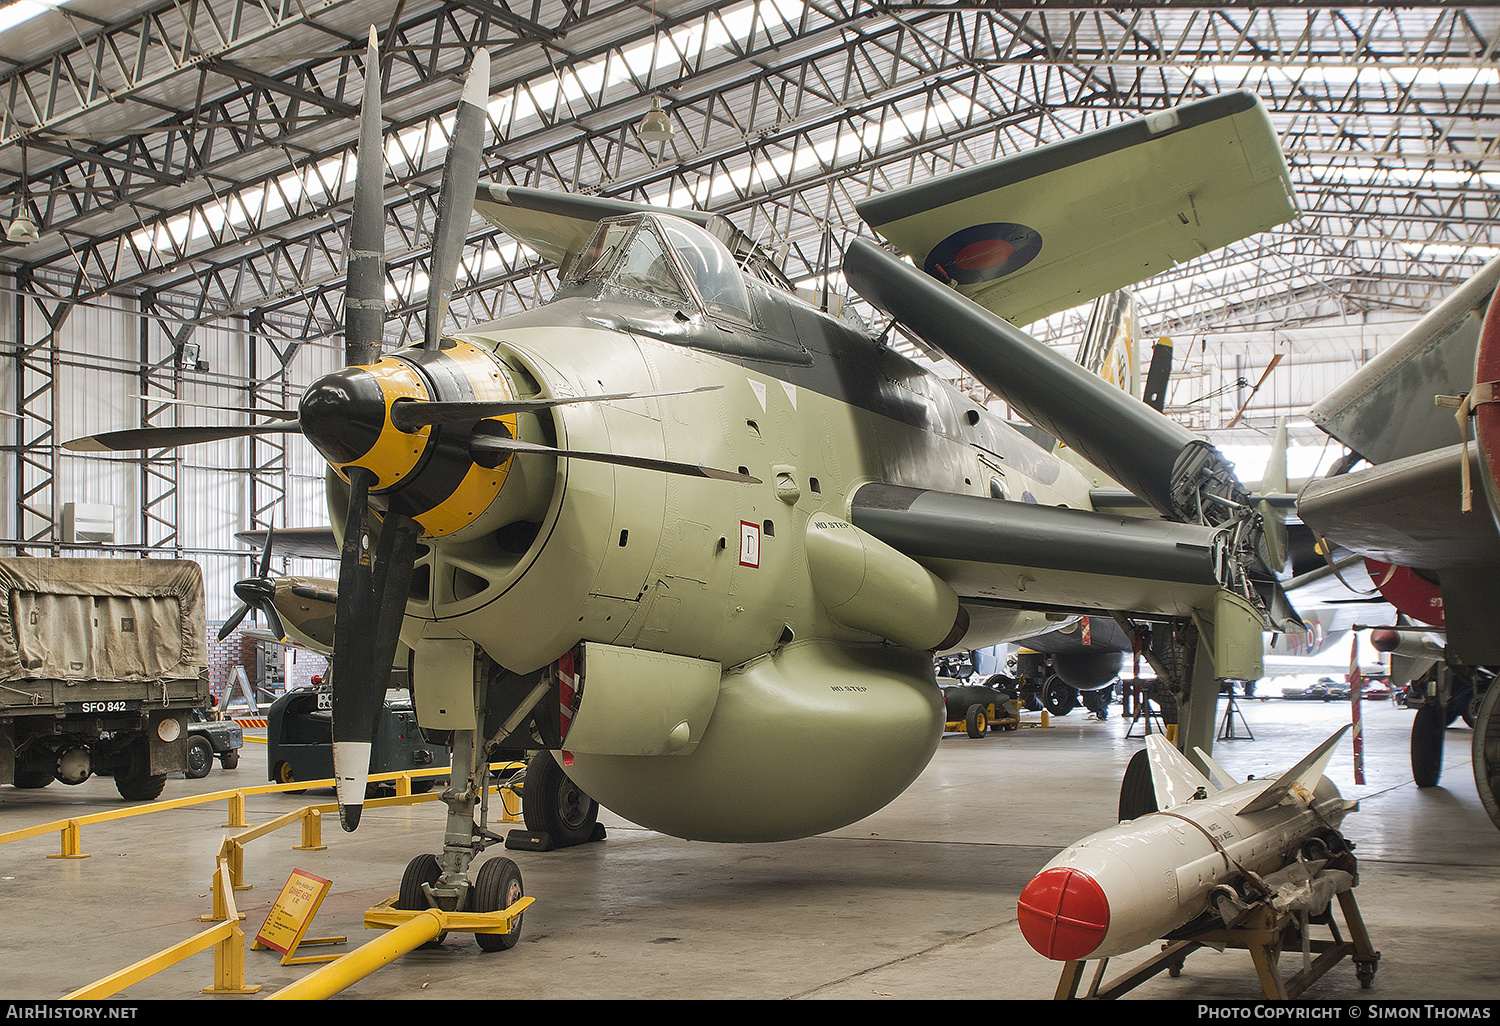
237,810
72,841
312,830
225,937
229,953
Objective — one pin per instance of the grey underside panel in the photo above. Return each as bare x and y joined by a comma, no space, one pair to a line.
974,529
1406,512
1385,411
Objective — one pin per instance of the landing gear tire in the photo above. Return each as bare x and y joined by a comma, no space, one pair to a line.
976,723
1060,699
423,869
200,758
554,805
496,887
1486,751
1427,745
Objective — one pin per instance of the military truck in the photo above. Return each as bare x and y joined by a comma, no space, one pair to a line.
101,663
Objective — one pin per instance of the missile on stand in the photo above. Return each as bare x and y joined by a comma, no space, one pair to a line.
1143,879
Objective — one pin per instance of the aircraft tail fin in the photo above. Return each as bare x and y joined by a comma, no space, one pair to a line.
1110,345
1304,774
1173,777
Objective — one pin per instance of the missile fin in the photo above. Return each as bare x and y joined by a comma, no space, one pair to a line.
1215,771
1174,778
1305,773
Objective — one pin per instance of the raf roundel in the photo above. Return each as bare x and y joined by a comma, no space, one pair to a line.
983,252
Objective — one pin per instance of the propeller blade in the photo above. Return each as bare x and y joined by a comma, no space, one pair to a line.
364,287
273,621
367,627
413,414
265,555
354,715
456,199
503,447
133,439
1245,405
233,622
258,411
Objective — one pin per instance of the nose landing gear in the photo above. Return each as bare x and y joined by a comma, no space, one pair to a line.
443,881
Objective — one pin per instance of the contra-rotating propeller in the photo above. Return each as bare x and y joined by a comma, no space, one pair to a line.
418,405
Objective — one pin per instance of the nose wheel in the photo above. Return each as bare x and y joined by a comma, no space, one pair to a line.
496,887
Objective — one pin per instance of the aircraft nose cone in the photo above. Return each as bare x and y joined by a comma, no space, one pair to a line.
342,414
1063,913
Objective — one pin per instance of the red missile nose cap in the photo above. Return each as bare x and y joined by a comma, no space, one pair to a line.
1063,914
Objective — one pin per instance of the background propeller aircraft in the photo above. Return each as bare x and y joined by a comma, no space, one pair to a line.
677,525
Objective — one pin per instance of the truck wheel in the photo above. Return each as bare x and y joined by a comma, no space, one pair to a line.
200,758
553,804
140,788
230,759
134,780
976,722
498,886
33,779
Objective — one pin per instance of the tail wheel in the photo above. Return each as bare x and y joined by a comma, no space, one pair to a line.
498,886
976,723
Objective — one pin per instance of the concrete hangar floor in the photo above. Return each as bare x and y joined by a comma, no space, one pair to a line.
915,902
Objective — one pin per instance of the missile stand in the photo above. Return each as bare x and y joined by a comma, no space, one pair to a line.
1265,932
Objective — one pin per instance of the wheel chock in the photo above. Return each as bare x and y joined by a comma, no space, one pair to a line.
529,840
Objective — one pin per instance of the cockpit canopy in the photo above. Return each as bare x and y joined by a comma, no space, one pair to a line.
668,258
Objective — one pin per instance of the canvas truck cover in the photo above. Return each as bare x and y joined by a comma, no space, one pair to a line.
102,620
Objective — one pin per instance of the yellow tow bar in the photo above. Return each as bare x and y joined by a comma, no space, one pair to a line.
408,931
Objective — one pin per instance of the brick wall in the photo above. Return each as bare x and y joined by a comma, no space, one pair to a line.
238,650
